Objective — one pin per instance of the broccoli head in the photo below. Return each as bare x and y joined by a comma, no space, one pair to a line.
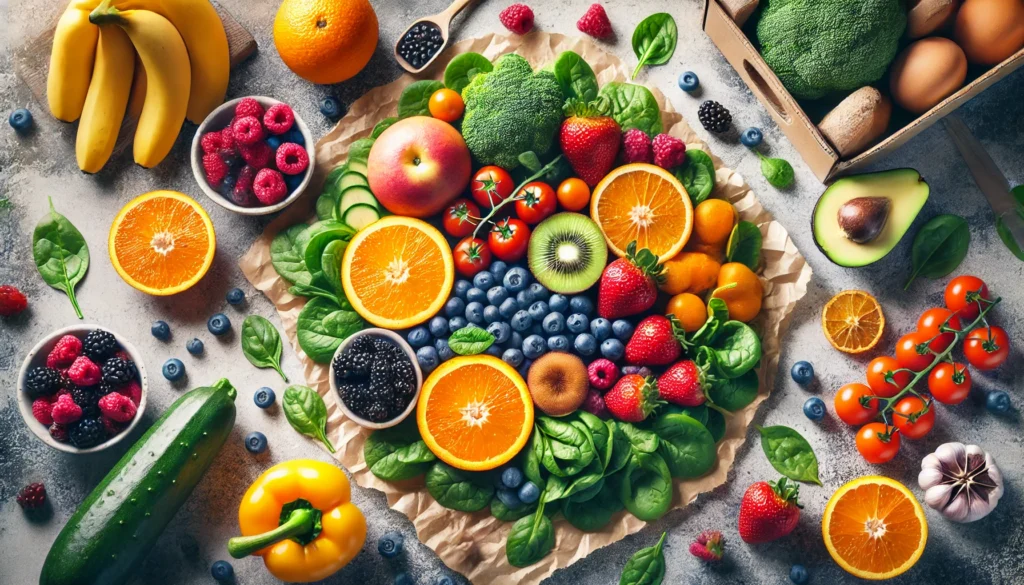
511,110
820,46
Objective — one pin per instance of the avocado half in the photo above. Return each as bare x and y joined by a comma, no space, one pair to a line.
859,219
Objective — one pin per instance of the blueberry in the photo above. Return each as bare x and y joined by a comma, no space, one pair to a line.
508,308
521,321
456,323
688,81
581,304
294,135
476,295
998,402
497,295
577,323
427,358
194,346
264,397
751,137
512,357
538,311
558,343
455,306
499,269
612,349
500,330
438,327
622,329
256,442
444,352
515,340
222,571
219,324
529,493
444,580
494,349
235,296
553,323
509,497
585,344
536,328
601,328
534,346
274,142
524,299
491,314
418,337
475,312
462,287
173,369
292,182
802,372
798,575
390,545
814,408
524,368
331,108
538,292
558,303
516,279
20,120
483,280
404,579
161,330
512,478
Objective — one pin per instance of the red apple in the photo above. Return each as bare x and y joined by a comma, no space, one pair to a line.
418,166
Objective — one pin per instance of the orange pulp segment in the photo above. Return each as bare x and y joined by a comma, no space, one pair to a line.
853,321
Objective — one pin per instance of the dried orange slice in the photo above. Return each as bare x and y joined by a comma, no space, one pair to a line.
398,272
874,528
853,321
475,412
162,242
645,203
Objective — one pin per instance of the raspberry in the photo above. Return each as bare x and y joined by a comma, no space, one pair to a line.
32,496
269,187
64,353
595,23
708,546
41,409
12,301
636,147
257,155
248,107
212,142
132,390
111,427
517,18
84,372
59,433
279,119
65,411
291,158
215,167
242,193
117,407
247,130
227,138
669,151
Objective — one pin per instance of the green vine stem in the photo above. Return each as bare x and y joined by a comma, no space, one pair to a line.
516,193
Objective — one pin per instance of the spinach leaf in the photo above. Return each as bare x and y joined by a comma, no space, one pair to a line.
470,340
530,539
633,106
360,149
306,412
654,40
575,76
621,449
331,183
646,567
777,171
325,204
687,447
464,491
697,175
382,126
330,265
745,245
591,476
502,512
715,424
532,459
1004,231
645,488
323,325
588,493
567,449
697,413
594,514
463,68
737,348
313,253
733,394
718,313
599,433
312,291
397,453
261,344
416,97
61,254
640,439
789,453
939,247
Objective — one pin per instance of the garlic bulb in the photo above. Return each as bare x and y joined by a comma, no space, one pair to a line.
961,481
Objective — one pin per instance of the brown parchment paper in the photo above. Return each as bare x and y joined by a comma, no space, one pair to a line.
474,544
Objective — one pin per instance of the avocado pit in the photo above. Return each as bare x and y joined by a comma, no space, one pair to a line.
863,218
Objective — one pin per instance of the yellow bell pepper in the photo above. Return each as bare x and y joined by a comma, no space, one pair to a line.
298,516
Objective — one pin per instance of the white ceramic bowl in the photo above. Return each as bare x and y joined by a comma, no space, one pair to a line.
37,357
397,339
220,118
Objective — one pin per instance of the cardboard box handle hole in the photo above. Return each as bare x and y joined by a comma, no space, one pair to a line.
757,80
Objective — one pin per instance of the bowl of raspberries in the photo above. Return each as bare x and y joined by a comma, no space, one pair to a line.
82,389
253,155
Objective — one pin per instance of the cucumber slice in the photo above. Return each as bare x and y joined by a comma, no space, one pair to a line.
361,215
352,179
354,196
358,166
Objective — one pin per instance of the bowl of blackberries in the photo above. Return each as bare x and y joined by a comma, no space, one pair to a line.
82,389
376,377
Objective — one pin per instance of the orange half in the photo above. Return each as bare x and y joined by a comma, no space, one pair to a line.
475,412
162,242
643,203
874,528
853,321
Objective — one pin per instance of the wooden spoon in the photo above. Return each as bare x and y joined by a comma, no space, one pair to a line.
441,21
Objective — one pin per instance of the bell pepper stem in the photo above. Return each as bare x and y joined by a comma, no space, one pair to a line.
299,522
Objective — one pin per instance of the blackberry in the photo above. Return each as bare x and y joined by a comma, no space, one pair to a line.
105,388
378,412
88,400
98,345
42,381
118,371
714,117
87,432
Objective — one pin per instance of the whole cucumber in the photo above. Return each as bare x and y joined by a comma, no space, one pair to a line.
115,527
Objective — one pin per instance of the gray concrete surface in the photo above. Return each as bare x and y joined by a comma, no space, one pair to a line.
42,164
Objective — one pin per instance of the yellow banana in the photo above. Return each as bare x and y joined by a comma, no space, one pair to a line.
71,60
207,43
168,78
107,99
137,97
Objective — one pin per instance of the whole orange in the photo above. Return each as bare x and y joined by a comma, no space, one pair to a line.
325,41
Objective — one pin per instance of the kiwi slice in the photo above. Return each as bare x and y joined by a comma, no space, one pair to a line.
567,253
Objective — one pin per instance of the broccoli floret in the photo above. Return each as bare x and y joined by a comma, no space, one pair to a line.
511,110
820,46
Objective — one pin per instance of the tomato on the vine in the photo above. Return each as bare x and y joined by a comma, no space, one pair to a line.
537,203
446,104
879,369
987,347
877,442
930,322
949,383
461,217
573,194
906,409
908,354
848,404
508,239
471,256
491,185
961,296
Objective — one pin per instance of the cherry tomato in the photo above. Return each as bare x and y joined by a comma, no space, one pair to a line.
877,371
573,194
446,104
491,185
848,405
471,256
877,442
905,409
907,353
930,322
508,239
949,383
461,217
987,347
957,292
538,203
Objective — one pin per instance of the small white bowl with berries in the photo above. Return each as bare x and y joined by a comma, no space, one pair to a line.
253,155
82,389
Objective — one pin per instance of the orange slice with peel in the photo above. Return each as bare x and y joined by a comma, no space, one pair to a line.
853,321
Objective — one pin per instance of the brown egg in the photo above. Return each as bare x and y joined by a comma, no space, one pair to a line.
927,72
989,31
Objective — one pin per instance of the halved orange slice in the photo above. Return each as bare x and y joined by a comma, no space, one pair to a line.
475,412
645,203
398,272
874,528
162,242
853,321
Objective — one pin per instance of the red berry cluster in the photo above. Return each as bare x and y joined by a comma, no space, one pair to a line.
668,152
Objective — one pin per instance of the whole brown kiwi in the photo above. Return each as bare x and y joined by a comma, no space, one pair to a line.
558,383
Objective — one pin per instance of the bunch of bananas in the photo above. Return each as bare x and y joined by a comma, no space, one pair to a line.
162,60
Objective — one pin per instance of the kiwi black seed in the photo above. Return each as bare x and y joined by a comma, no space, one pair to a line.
567,253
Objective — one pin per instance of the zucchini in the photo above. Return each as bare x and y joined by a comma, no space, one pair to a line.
110,534
354,196
361,215
352,179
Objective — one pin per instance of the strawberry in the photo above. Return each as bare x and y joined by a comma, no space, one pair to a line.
653,343
769,511
629,285
708,546
590,140
682,384
633,398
